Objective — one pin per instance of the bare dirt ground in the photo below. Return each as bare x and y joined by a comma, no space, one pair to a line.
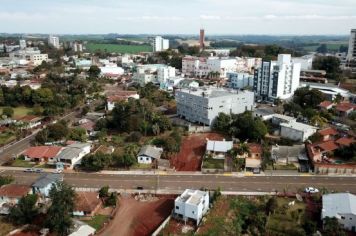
191,151
138,218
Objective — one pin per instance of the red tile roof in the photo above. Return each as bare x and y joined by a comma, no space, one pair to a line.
345,141
328,146
88,125
30,118
325,104
42,151
87,201
328,131
345,106
255,148
14,190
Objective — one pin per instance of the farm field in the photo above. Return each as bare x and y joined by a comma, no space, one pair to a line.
115,48
19,111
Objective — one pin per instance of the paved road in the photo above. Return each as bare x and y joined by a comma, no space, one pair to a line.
21,145
174,183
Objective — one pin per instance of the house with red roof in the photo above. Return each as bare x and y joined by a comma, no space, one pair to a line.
10,195
326,105
120,96
42,154
345,108
30,121
328,133
87,204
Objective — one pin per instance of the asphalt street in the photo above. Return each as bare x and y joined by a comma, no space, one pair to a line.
178,182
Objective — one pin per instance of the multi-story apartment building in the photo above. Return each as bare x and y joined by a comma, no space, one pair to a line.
237,80
203,105
164,73
306,62
37,59
22,43
53,41
192,204
202,67
277,79
351,55
156,73
160,44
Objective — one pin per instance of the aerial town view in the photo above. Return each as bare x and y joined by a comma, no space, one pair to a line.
178,118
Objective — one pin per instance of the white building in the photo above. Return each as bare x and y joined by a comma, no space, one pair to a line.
203,105
53,41
192,204
23,44
37,59
238,80
202,67
164,73
160,44
351,54
148,154
72,154
297,131
330,91
120,96
111,70
342,206
76,46
277,79
306,62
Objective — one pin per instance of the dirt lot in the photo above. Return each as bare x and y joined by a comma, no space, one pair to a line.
139,218
191,152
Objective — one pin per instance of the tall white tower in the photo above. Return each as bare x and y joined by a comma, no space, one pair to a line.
53,41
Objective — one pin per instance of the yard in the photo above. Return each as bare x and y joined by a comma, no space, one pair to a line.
6,137
98,221
5,227
19,111
116,48
286,218
192,151
20,162
210,163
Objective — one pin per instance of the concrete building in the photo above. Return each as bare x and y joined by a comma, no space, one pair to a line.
111,70
238,80
351,54
160,44
277,79
76,46
37,59
22,43
192,204
306,62
297,131
330,91
53,41
164,73
72,154
342,206
203,105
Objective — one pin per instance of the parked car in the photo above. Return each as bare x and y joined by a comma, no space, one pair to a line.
29,170
58,171
38,170
139,188
311,190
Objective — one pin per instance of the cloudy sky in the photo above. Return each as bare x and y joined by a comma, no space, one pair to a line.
178,16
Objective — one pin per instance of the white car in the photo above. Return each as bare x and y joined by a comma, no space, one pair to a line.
58,171
311,190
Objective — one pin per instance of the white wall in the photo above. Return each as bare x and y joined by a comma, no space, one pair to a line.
144,159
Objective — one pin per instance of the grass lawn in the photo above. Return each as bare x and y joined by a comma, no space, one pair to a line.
22,163
210,163
285,217
6,137
92,47
141,166
5,227
19,111
97,222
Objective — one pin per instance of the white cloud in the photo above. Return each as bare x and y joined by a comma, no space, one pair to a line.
209,17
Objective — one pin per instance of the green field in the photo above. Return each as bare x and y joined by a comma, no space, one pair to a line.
97,222
115,48
19,111
331,46
6,137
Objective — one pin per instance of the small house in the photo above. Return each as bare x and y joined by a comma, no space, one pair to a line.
148,154
10,195
87,204
72,154
42,154
44,183
218,149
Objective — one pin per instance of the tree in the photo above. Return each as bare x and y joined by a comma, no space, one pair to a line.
85,110
42,136
94,71
319,121
25,211
8,112
96,162
78,134
59,213
332,227
330,64
111,200
222,123
104,192
57,131
271,205
322,49
42,96
338,98
6,180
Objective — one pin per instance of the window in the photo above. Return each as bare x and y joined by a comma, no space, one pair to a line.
193,212
177,207
343,217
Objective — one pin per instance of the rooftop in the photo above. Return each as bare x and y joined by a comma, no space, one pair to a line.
151,151
328,131
338,203
72,151
298,126
14,190
325,104
42,151
191,196
213,92
219,146
47,179
86,201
